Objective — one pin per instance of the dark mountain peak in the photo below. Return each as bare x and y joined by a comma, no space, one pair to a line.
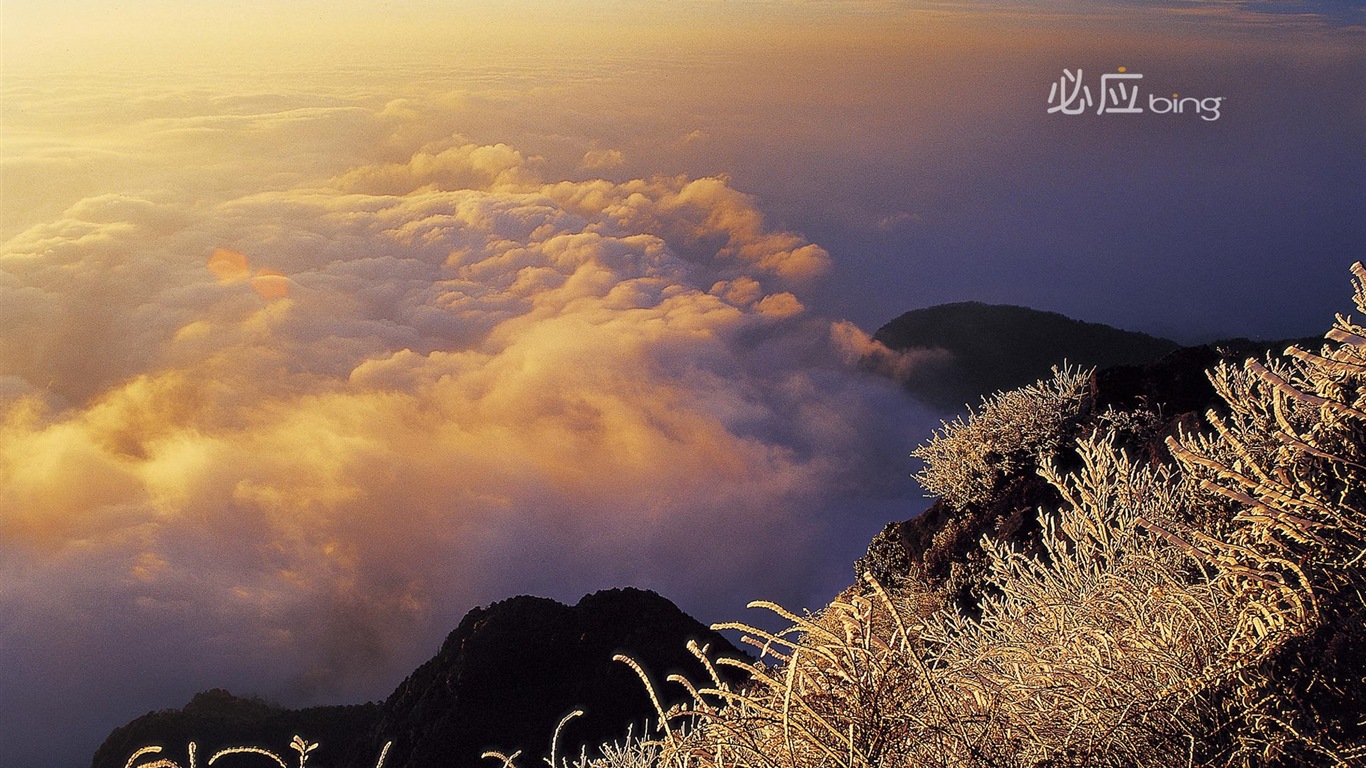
958,320
631,606
507,675
503,679
221,702
522,608
1000,347
626,596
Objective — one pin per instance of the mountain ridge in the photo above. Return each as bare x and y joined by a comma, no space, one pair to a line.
995,347
502,679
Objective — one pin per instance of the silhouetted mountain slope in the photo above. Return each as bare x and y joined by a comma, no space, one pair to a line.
999,347
509,672
502,680
217,720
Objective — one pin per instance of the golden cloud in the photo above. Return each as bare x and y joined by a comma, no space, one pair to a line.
456,380
229,266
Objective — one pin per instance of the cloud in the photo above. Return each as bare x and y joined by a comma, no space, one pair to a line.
1258,13
601,159
435,167
1347,13
901,366
289,436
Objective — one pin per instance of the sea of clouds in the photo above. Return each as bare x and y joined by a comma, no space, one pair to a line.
286,389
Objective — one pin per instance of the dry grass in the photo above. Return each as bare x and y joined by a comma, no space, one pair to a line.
1151,632
300,745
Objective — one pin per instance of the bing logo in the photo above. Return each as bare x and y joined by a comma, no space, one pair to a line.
1119,95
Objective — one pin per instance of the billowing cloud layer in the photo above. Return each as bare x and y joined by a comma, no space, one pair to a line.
316,331
286,437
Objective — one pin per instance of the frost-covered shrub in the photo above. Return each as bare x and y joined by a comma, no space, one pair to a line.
967,457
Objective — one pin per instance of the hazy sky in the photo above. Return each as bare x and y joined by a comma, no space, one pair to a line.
321,323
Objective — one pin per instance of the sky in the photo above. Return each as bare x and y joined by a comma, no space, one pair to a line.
323,323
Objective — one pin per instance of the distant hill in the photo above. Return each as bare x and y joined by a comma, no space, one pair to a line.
217,719
995,347
502,680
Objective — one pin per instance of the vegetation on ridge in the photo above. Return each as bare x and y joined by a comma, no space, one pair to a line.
1206,610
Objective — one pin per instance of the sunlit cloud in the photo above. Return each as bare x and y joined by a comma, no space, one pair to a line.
229,266
600,159
291,432
1328,13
